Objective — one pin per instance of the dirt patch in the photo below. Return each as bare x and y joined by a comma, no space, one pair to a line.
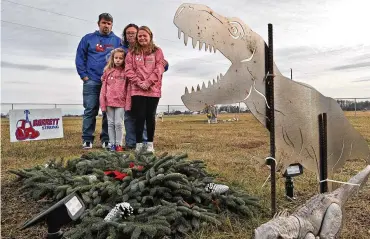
15,211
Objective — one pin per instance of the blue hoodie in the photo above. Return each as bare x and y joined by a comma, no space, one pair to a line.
92,52
126,47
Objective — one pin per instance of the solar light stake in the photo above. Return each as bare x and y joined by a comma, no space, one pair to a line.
292,171
61,213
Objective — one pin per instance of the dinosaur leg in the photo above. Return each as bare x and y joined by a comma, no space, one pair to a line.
332,222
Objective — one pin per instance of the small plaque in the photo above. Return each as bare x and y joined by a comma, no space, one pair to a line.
74,205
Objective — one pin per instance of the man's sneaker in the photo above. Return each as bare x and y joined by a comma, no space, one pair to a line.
119,148
150,147
105,145
112,148
87,145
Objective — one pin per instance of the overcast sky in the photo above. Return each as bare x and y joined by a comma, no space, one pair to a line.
327,43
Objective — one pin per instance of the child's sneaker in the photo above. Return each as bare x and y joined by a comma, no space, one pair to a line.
87,145
150,147
139,147
119,148
112,148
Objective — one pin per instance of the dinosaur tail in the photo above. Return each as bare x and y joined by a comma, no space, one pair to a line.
354,184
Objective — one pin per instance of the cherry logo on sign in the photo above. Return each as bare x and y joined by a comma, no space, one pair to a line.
25,129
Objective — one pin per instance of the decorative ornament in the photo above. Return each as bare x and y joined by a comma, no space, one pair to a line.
123,210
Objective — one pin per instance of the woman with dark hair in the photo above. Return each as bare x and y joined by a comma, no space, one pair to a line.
129,36
144,69
128,41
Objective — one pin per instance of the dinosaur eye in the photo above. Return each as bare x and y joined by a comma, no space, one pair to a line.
236,30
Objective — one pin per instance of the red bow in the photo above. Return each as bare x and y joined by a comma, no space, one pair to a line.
139,167
116,174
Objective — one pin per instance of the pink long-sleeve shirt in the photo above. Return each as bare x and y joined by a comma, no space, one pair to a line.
114,89
147,68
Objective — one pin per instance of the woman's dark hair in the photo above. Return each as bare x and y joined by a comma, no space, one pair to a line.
125,42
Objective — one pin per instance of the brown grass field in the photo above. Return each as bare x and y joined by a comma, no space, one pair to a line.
227,148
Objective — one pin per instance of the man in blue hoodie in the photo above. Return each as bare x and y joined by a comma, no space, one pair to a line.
91,57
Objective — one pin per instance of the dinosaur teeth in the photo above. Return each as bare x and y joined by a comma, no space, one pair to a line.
179,33
203,86
186,90
209,84
198,87
210,48
206,47
194,43
200,45
218,78
186,39
192,89
214,82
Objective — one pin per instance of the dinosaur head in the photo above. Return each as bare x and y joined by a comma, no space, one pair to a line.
236,41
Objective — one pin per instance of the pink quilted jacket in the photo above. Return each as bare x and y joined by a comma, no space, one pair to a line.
114,89
147,68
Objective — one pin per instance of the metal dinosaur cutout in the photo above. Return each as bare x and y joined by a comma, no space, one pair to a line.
297,105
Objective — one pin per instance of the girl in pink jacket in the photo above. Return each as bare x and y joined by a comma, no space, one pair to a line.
144,69
113,97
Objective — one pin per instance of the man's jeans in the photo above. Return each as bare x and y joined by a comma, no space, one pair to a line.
91,93
130,130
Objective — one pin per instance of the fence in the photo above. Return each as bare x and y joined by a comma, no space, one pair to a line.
347,104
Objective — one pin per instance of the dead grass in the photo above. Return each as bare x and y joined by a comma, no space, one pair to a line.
227,148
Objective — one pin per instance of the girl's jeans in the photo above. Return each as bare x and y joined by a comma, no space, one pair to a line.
115,117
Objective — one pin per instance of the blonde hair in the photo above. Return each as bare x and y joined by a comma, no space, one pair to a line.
110,63
138,49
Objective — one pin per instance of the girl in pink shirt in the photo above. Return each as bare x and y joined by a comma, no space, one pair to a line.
113,97
144,69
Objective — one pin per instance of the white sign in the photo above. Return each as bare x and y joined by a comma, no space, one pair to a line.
35,124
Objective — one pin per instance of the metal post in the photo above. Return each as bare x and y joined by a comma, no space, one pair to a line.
168,109
355,106
323,152
291,74
271,116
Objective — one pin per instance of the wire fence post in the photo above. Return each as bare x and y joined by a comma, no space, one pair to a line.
355,107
